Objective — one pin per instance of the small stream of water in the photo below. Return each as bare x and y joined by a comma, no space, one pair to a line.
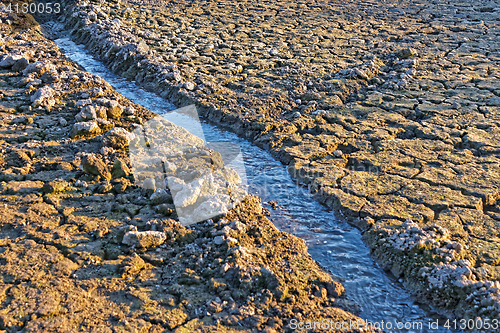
336,245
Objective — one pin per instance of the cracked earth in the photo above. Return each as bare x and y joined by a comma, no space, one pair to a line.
389,112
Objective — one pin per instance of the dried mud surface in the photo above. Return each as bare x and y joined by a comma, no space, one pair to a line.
84,249
389,112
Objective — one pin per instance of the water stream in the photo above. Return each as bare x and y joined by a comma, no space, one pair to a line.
336,245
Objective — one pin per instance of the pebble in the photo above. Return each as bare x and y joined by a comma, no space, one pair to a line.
338,153
218,240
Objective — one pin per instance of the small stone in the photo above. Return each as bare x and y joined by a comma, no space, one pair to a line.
219,240
120,169
85,128
55,186
93,165
121,185
20,65
114,110
117,138
62,121
105,187
9,61
407,53
232,241
129,110
21,187
92,16
50,76
144,239
273,52
160,196
87,113
38,67
43,97
165,209
189,85
149,184
319,112
83,102
217,160
338,153
81,183
177,76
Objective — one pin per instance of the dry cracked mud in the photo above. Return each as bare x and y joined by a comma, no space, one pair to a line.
389,111
82,248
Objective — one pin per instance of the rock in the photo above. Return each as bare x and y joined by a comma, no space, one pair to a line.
87,113
142,47
160,196
32,83
131,266
219,240
62,121
50,76
22,187
149,184
217,160
105,187
213,205
334,289
175,184
43,97
81,183
338,153
120,169
185,58
121,185
20,65
9,60
117,138
334,100
83,102
165,209
38,67
189,85
113,108
84,129
319,112
92,112
144,239
55,186
93,165
407,53
104,124
273,52
92,16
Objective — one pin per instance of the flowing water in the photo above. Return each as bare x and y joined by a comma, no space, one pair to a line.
336,245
